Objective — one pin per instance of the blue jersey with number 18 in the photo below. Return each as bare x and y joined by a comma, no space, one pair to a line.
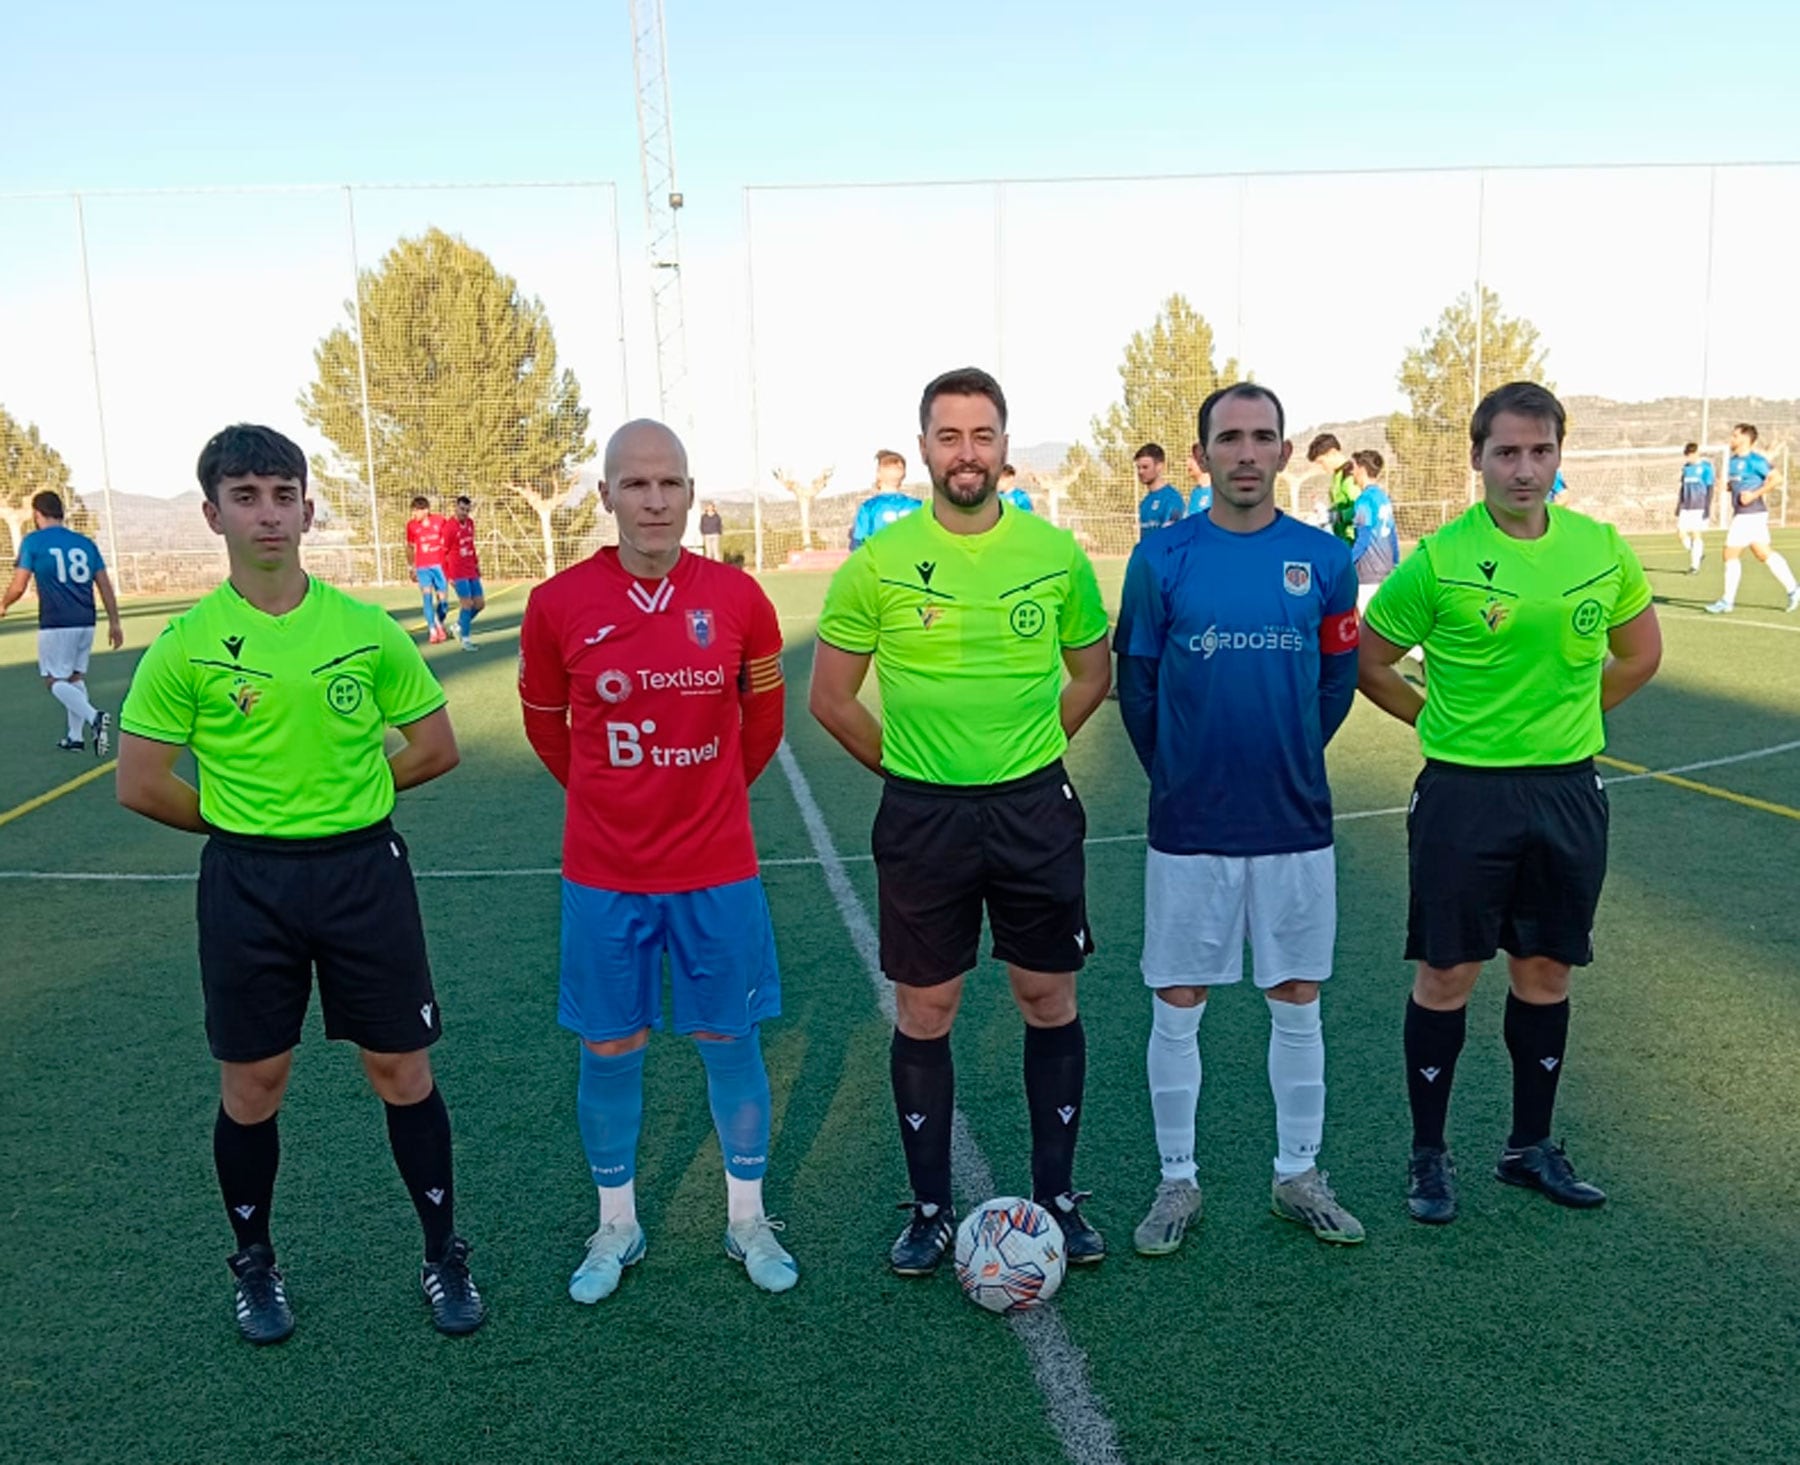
64,564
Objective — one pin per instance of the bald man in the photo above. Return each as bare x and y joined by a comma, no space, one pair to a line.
652,691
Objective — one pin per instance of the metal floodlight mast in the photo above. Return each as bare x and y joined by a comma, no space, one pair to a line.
662,205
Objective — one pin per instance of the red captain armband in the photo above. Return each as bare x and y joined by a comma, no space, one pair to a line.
1339,633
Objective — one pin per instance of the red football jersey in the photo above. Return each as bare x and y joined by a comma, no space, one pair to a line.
656,706
460,560
428,538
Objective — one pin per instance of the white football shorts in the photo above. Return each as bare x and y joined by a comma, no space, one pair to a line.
1747,529
1690,521
63,651
1199,908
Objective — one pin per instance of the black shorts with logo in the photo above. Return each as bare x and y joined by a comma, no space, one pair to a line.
273,910
943,852
1505,859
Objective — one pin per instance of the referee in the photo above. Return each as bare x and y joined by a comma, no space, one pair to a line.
283,689
1535,621
972,612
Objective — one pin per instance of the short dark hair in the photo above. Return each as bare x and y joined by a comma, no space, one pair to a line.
1522,399
1691,448
243,448
1747,428
965,381
888,455
1152,451
1325,442
49,504
1239,389
463,498
1008,471
1371,461
420,501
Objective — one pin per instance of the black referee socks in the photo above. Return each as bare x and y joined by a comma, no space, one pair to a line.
1055,1075
420,1136
1433,1040
1537,1035
924,1080
246,1157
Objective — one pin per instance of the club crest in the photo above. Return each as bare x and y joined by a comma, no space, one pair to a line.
1296,577
700,627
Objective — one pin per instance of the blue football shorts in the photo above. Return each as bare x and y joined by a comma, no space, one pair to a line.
431,577
469,589
720,947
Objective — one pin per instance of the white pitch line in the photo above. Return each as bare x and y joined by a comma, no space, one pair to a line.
1088,1435
1734,619
127,877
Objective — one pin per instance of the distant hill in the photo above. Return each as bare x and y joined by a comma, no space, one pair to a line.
1597,423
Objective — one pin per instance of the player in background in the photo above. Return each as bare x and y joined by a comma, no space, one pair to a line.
1327,454
1162,503
1749,476
652,691
1693,505
68,570
1010,493
1237,663
887,504
1559,489
427,544
1536,621
1375,543
712,532
1200,499
462,563
284,688
971,617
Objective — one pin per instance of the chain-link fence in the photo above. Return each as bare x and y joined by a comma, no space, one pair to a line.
1379,305
433,341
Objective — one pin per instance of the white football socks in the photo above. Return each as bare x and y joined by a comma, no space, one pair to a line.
618,1204
743,1199
1297,1079
74,698
1696,550
1174,1067
1734,575
1778,567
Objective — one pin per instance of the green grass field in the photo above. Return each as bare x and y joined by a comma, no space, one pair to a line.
1665,1327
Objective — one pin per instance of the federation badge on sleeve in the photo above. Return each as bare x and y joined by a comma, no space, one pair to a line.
1296,577
700,627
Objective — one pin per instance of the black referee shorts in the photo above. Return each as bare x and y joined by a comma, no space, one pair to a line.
943,852
273,910
1505,859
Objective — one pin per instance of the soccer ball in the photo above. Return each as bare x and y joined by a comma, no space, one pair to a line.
1009,1255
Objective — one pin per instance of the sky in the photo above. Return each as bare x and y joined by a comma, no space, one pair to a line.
858,296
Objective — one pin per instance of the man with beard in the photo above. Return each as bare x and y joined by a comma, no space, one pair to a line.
972,617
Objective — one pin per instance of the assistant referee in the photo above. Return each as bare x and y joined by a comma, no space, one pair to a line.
1535,621
972,612
284,688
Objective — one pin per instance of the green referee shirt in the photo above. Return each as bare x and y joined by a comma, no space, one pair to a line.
967,632
287,715
1515,635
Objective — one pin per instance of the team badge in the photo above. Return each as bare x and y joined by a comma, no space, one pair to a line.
613,685
700,627
245,694
928,615
1296,577
345,694
1494,613
1027,618
1588,616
